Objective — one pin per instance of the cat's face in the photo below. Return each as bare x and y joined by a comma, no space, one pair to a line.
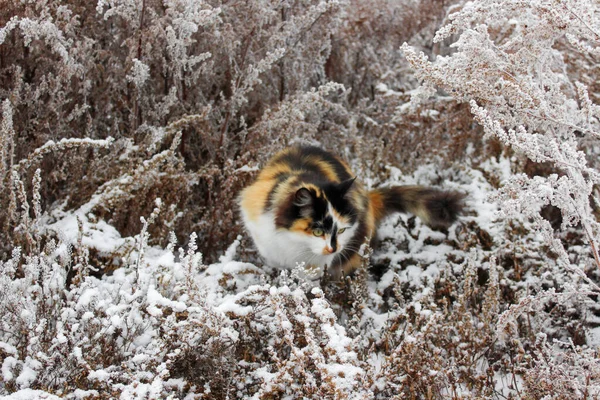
321,219
329,235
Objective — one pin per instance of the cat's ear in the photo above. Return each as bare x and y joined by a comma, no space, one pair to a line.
346,185
303,198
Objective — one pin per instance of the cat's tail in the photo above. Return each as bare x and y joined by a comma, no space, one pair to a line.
437,208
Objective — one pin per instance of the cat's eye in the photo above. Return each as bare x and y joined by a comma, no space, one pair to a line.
342,230
318,232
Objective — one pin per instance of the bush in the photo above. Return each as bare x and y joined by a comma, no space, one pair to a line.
129,127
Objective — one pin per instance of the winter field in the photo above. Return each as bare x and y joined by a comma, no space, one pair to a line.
128,127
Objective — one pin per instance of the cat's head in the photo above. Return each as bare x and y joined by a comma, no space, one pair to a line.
322,217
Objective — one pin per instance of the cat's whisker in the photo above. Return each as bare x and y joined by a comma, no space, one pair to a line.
303,254
347,257
353,249
304,257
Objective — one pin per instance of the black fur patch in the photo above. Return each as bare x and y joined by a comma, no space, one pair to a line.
353,245
301,160
293,209
338,196
444,207
326,223
393,201
334,237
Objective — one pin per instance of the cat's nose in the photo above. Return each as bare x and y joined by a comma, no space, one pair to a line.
329,249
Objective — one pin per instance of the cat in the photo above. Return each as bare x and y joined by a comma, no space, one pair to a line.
307,206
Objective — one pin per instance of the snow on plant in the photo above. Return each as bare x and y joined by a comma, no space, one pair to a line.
14,189
508,64
303,351
149,330
125,333
300,115
140,73
43,29
187,17
575,374
7,133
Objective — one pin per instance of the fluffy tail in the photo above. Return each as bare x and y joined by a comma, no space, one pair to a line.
436,208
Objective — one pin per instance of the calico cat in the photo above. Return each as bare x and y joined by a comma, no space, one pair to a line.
306,206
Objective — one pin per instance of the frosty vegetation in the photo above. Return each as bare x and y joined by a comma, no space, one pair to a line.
129,126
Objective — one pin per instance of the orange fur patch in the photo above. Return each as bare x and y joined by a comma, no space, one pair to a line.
272,170
254,198
301,226
352,264
283,191
376,206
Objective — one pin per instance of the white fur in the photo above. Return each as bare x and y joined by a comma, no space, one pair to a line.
285,249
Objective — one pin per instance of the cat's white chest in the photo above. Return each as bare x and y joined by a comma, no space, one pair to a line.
281,248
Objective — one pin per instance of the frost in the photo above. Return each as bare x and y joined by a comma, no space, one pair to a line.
139,73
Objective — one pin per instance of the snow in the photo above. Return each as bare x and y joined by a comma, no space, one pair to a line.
98,235
99,375
28,394
247,168
155,298
7,365
139,73
28,374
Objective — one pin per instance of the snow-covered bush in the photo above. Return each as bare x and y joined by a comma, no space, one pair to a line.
510,65
524,68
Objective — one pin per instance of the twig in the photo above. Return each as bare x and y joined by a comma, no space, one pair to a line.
136,108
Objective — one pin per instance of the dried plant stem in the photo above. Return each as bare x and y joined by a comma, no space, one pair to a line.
234,92
137,112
